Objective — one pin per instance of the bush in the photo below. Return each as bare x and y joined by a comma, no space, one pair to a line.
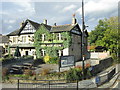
5,74
45,72
115,58
54,60
74,74
46,58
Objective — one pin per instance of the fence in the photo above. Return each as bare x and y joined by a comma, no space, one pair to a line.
46,84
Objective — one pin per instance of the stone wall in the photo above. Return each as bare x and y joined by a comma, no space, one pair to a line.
103,64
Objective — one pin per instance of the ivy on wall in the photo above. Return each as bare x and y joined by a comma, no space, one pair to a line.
50,38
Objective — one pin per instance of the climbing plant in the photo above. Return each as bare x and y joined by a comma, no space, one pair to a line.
50,38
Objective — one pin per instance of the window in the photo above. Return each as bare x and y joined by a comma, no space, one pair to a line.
61,36
59,52
42,52
23,38
58,36
14,39
43,37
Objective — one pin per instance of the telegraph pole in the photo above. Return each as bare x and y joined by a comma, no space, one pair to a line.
83,29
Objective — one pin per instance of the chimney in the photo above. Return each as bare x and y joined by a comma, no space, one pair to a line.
22,23
74,21
55,24
45,21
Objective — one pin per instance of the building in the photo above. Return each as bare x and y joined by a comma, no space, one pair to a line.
23,38
42,39
3,45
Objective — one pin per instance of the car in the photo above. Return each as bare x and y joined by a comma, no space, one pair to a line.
16,69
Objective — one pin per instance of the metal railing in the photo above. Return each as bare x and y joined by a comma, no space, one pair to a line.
46,84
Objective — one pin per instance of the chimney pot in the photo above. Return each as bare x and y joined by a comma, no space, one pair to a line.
74,21
45,21
55,24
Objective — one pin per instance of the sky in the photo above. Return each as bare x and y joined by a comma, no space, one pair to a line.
13,12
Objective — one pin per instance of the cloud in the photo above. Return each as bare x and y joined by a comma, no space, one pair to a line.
56,12
10,27
98,8
26,7
69,8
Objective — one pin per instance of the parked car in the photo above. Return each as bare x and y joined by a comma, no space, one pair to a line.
16,69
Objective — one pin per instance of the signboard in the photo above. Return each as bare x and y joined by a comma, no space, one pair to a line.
66,61
75,31
97,80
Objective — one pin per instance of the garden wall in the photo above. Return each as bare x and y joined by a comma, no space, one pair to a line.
103,64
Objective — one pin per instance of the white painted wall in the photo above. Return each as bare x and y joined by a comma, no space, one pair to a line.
65,51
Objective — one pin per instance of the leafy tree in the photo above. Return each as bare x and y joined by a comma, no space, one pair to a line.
106,34
17,52
98,33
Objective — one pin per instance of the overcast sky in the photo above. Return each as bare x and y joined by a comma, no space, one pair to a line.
60,12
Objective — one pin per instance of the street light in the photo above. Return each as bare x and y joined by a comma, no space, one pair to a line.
83,31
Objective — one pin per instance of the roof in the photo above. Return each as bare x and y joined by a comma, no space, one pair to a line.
60,28
4,39
35,25
17,32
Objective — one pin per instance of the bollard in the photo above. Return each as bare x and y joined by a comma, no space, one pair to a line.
49,85
18,84
77,84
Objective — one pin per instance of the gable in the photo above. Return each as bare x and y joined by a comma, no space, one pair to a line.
76,30
28,28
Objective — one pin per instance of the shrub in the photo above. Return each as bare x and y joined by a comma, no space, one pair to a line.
54,60
46,58
5,74
45,71
74,74
87,65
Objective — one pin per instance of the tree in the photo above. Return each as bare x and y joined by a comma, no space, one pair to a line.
106,34
97,34
17,52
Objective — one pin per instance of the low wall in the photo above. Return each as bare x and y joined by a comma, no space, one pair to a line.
100,55
103,64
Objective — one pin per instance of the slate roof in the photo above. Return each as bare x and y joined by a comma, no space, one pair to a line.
61,28
4,39
58,28
35,25
17,32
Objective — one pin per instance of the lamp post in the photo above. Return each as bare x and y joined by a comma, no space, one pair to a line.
83,29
